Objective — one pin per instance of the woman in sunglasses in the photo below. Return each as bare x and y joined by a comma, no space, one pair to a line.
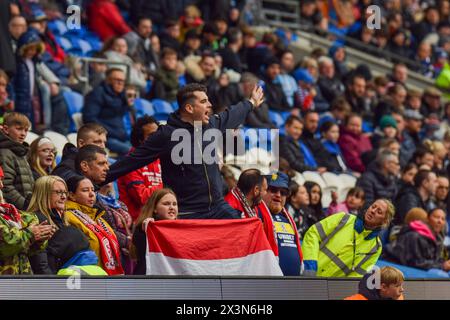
41,157
67,244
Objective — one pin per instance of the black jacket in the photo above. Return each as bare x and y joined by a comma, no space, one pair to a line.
414,249
321,155
66,168
290,150
275,96
408,197
139,242
331,88
198,185
7,59
376,185
64,244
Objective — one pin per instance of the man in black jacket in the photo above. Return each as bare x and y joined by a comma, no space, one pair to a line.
379,180
417,196
276,98
290,147
195,180
330,85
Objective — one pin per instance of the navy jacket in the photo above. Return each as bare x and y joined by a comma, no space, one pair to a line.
198,186
107,108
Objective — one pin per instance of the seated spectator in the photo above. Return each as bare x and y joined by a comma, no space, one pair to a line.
273,90
140,48
414,100
330,136
431,102
5,103
391,286
321,155
400,44
230,54
21,235
90,133
315,200
41,157
394,101
116,50
221,23
410,136
407,175
338,54
105,19
441,194
420,244
191,44
428,25
354,201
190,20
354,143
311,16
387,130
248,193
305,94
83,215
18,177
162,205
340,109
257,118
165,85
343,229
210,37
107,106
399,73
418,195
423,157
201,70
67,243
170,36
298,207
285,241
136,187
380,178
288,83
423,56
439,152
355,93
299,157
329,84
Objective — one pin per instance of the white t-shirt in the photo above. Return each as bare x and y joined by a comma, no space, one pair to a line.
31,70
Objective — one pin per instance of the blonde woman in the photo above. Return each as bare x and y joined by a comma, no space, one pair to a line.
439,152
162,205
41,157
48,203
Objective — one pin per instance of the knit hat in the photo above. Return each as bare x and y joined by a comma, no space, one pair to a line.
388,121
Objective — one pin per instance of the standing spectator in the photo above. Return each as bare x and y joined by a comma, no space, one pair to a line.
18,177
136,187
83,215
21,235
298,207
354,143
329,84
165,85
354,201
107,106
417,196
299,157
330,137
344,245
230,54
41,157
203,199
380,178
275,96
280,226
247,195
105,19
162,205
140,48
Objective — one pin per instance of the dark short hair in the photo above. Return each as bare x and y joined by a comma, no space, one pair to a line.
73,182
86,128
326,126
168,52
186,94
249,179
112,70
87,153
290,120
420,177
234,34
137,133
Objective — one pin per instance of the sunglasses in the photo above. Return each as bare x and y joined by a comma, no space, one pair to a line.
283,192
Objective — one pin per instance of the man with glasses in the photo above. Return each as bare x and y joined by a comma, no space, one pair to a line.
280,226
107,105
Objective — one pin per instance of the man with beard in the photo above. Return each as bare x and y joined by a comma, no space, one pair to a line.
279,226
248,193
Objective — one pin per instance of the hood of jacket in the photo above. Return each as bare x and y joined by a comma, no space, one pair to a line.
363,288
93,212
69,152
423,229
18,149
31,36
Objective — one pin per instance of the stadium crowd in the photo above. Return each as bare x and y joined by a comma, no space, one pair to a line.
163,65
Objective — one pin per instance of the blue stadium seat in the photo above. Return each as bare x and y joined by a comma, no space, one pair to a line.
75,52
367,127
161,106
84,46
143,107
182,80
413,273
127,123
276,118
175,105
65,43
75,102
57,27
161,116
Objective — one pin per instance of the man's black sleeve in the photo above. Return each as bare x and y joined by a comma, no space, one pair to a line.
232,117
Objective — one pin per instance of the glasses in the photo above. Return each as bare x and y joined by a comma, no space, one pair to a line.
118,81
443,187
283,192
48,151
60,193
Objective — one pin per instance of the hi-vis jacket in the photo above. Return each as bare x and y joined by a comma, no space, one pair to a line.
340,246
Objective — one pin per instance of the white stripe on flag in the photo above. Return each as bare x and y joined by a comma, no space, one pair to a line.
263,263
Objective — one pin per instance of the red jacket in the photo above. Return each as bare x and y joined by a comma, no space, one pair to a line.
52,47
136,187
352,147
234,202
105,19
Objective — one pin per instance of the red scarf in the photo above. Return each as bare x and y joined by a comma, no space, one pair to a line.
109,246
11,214
248,210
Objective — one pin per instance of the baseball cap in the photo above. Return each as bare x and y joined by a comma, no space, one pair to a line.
278,180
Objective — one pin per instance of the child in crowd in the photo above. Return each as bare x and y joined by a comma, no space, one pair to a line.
330,137
352,204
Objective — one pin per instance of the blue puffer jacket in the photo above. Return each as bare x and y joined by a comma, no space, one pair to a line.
21,81
107,108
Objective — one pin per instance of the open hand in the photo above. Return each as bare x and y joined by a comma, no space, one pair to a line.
257,97
145,223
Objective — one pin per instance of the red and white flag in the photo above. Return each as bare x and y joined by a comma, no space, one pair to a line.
209,247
